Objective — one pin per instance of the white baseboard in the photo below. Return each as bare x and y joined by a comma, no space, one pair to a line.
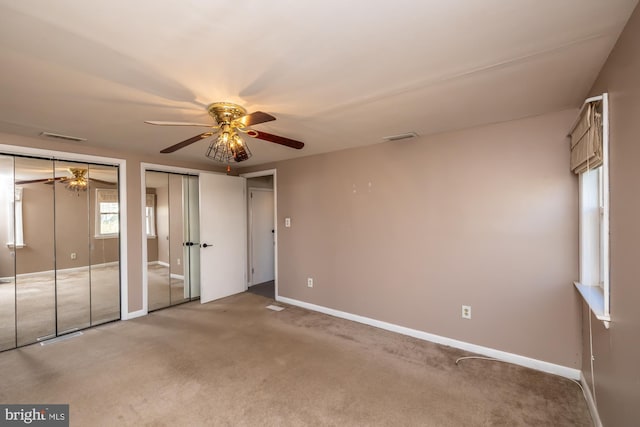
516,359
134,314
62,270
177,276
158,262
591,403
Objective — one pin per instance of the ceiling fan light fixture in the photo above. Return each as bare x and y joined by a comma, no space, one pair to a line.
79,180
230,119
227,148
76,185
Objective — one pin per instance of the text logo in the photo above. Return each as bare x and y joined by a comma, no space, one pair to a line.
34,415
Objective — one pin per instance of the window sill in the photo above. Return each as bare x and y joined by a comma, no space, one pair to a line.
106,236
18,246
594,298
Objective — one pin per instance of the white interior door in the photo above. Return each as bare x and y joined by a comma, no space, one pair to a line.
223,229
262,235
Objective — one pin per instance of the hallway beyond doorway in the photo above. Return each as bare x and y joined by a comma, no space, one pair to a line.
266,289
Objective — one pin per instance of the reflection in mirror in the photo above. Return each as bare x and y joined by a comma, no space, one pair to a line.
9,199
192,230
59,262
173,252
177,240
157,226
71,246
34,258
104,232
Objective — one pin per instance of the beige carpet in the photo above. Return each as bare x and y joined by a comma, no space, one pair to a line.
79,297
163,290
235,363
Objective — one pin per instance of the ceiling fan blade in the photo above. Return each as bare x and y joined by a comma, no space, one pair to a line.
161,123
254,119
186,142
33,181
275,138
99,181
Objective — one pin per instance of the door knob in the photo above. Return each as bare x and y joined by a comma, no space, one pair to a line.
206,245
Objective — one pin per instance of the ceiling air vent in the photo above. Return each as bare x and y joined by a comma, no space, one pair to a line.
400,136
65,137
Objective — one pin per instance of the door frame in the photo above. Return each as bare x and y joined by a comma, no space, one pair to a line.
274,173
122,190
250,233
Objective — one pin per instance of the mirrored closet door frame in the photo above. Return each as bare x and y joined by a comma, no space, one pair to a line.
172,249
79,215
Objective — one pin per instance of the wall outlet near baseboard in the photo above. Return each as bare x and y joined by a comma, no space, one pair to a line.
310,282
466,312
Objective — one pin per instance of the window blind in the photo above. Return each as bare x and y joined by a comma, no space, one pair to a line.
586,139
107,195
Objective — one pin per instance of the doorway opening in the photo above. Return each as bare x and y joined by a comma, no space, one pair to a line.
262,235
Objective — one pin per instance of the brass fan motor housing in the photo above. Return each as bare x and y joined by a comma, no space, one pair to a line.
78,173
225,112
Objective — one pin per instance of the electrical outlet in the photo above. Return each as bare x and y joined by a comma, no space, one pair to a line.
309,282
287,222
466,312
178,261
74,255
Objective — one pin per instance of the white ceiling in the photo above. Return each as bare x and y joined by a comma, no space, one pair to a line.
335,73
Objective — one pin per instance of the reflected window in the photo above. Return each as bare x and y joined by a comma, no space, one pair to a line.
15,239
107,221
150,215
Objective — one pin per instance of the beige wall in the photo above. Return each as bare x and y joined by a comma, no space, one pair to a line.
152,249
74,229
162,222
167,248
617,350
176,225
407,232
134,195
260,182
38,225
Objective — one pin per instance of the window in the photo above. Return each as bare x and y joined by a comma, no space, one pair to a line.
15,238
107,213
150,215
589,159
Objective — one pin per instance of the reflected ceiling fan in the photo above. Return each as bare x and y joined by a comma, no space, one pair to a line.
76,181
232,120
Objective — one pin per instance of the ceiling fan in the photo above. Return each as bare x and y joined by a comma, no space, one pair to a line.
77,181
232,120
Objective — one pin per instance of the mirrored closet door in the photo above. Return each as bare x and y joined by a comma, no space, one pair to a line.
172,228
7,261
60,267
